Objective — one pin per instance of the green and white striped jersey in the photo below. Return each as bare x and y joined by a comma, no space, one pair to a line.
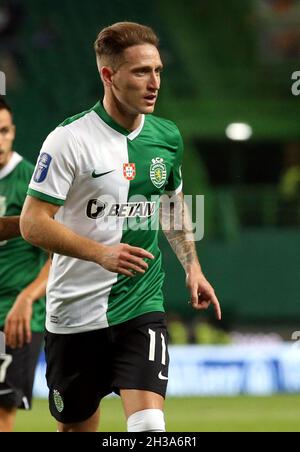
107,181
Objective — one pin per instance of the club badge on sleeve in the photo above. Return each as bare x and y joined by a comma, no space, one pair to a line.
42,168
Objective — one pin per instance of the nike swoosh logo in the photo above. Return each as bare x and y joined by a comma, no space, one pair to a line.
95,174
162,377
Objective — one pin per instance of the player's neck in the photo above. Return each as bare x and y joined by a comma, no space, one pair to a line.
6,159
123,118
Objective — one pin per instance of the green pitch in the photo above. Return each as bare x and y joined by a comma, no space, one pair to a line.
248,414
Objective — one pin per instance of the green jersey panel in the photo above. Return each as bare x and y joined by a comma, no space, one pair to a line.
156,154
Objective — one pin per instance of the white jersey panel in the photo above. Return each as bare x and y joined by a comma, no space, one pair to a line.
84,168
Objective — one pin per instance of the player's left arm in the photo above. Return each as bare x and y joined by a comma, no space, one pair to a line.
176,225
9,227
17,323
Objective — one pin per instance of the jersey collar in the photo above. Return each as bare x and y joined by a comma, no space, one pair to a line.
13,162
99,109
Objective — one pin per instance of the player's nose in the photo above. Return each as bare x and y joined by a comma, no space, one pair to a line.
154,81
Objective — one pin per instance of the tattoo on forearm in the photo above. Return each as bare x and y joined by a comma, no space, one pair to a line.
176,225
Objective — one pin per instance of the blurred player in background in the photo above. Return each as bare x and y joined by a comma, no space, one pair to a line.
106,328
22,282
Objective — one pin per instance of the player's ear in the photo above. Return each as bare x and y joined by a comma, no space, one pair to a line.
106,74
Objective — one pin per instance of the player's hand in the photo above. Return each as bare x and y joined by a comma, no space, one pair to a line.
17,324
202,293
125,259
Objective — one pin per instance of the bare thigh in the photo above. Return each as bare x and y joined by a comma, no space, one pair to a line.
136,400
89,425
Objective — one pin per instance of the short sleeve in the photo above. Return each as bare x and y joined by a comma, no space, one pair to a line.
55,169
174,185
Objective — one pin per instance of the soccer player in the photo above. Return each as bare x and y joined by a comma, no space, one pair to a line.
93,201
22,282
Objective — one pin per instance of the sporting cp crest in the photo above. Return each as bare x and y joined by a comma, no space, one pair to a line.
58,401
129,171
158,172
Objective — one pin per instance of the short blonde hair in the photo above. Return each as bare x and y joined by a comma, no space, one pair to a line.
113,40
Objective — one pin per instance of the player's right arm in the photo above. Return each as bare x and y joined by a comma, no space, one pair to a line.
9,227
39,227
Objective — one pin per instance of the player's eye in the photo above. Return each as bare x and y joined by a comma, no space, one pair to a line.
140,73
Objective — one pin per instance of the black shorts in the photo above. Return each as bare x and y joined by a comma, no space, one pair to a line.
17,380
83,368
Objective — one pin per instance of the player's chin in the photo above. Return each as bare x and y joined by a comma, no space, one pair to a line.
147,110
148,107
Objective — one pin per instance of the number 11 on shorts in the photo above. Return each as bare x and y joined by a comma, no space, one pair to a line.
152,335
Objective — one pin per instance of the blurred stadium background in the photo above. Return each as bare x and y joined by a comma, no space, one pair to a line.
226,63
